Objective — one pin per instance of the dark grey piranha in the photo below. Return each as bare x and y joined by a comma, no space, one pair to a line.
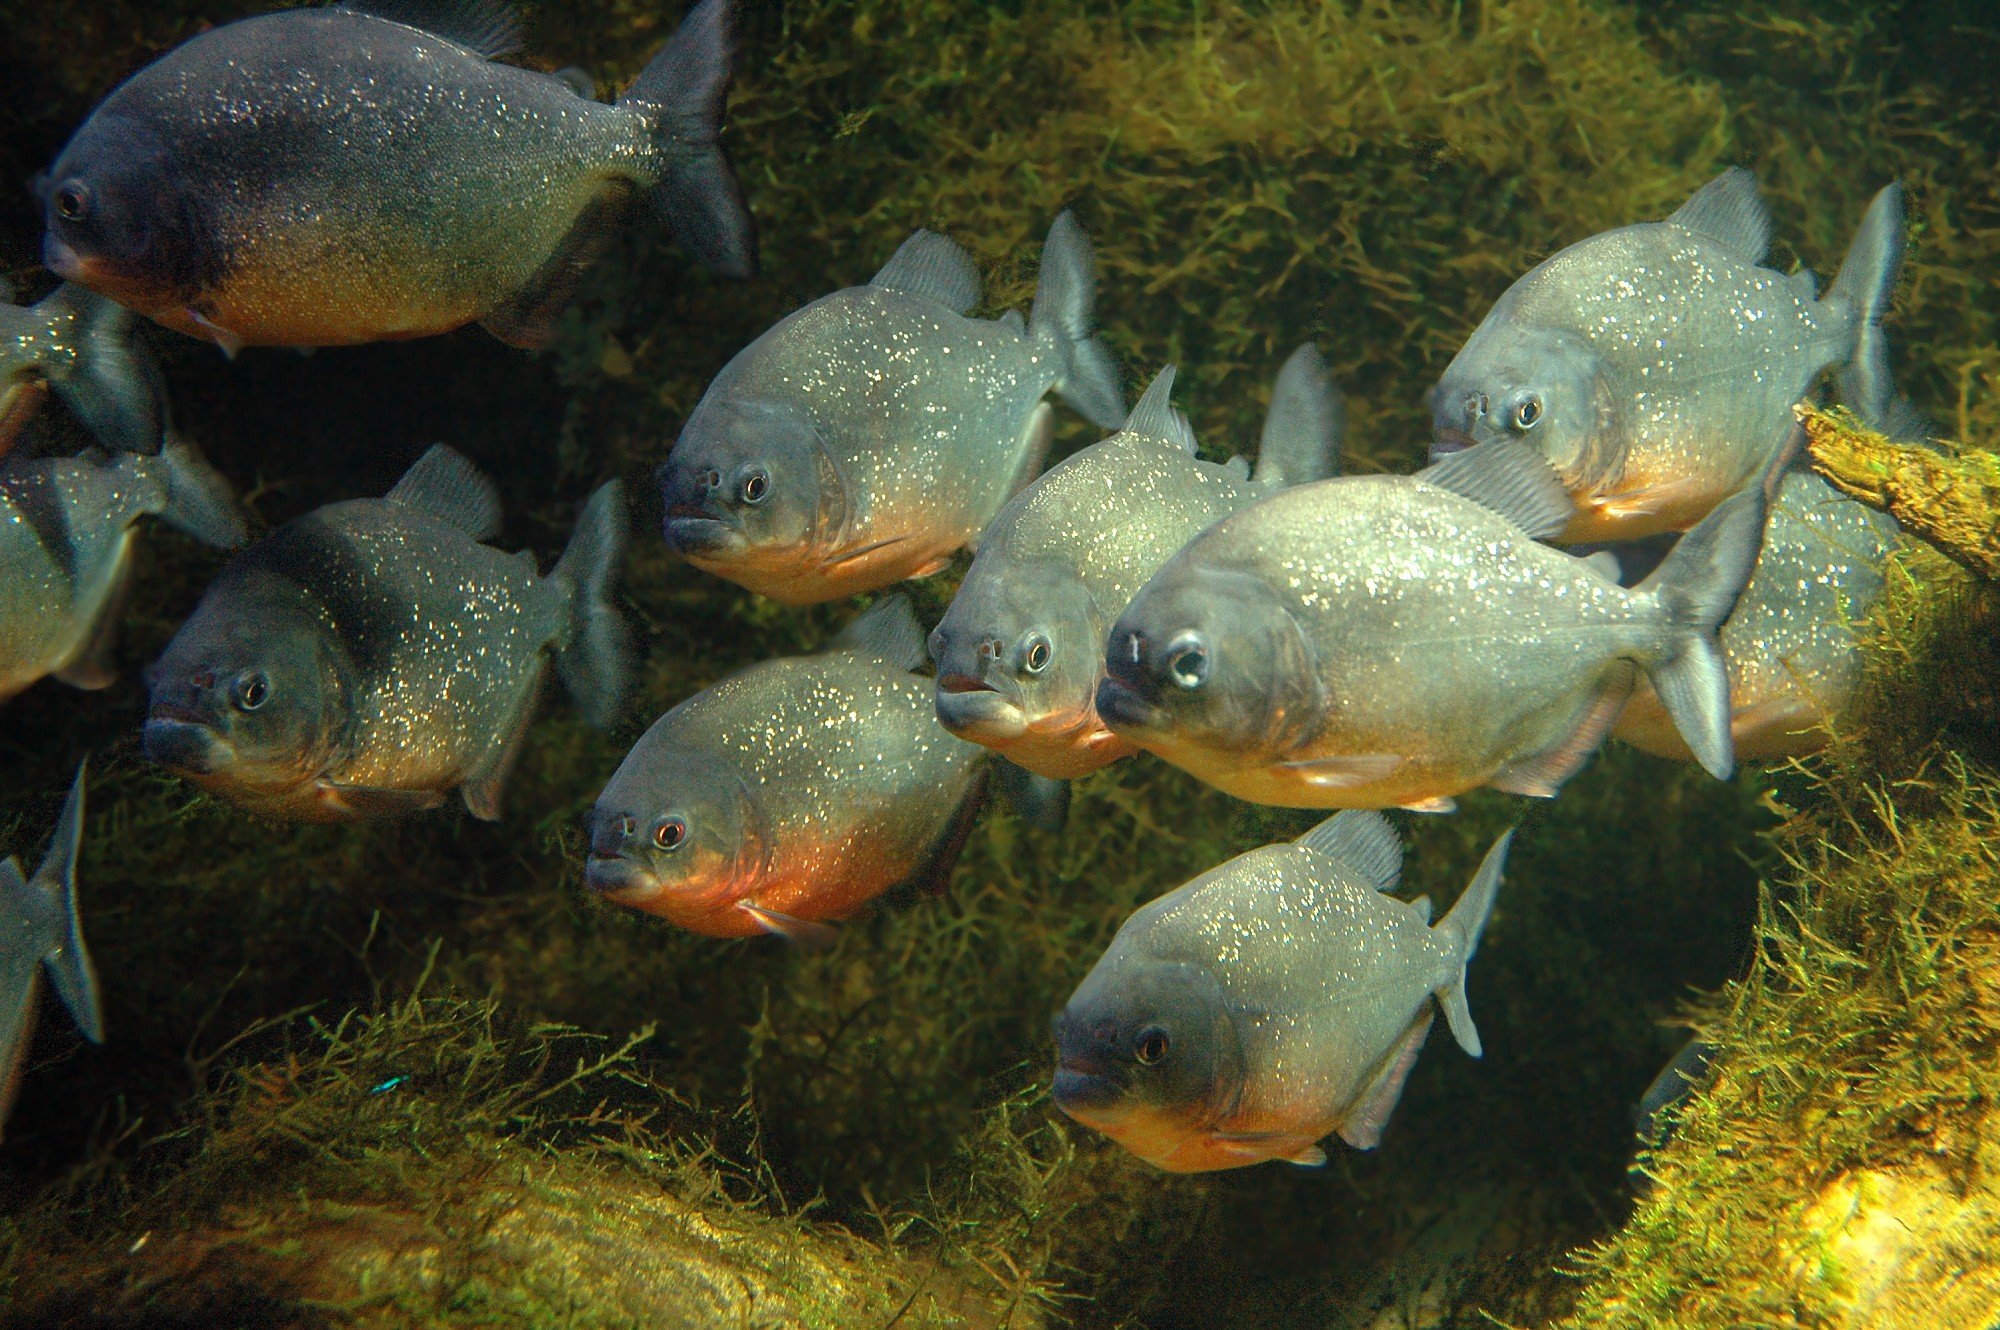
367,171
1656,366
1380,641
1793,642
1021,650
40,937
371,656
1269,1003
78,345
66,538
868,437
793,792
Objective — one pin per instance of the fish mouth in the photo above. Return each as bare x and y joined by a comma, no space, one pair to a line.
62,259
693,531
1448,439
975,710
1121,707
1082,1091
179,740
618,879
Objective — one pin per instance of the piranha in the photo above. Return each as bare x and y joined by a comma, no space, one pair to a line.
40,937
1792,644
794,792
1021,650
67,527
1656,366
1273,1001
368,171
1380,641
77,345
868,437
367,658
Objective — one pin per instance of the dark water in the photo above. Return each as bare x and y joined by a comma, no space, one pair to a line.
1234,218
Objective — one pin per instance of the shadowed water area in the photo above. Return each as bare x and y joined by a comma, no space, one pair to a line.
413,1073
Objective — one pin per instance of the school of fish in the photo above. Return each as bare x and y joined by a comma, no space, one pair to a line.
375,170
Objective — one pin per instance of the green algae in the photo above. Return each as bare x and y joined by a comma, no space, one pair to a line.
1366,174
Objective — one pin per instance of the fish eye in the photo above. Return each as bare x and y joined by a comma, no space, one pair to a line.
756,486
1151,1045
1528,412
251,691
1187,661
670,834
72,200
1039,651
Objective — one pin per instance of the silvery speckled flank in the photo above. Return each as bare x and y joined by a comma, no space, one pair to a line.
791,792
1656,366
368,170
1271,1002
67,526
869,436
1020,651
369,657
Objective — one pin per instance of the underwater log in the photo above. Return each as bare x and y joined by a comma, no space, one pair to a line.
1945,493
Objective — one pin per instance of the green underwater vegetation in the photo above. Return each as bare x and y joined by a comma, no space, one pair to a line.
409,1074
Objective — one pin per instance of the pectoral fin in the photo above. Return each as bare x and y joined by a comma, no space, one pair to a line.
1343,770
375,800
1363,1124
1439,804
1653,499
806,933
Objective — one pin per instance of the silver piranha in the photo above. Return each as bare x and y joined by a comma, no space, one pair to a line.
67,526
1656,366
866,438
77,345
1379,641
1269,1003
41,938
369,657
368,170
792,792
1021,650
1792,642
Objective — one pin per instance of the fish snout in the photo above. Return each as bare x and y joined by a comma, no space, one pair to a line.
610,835
61,258
618,878
974,710
179,740
1448,439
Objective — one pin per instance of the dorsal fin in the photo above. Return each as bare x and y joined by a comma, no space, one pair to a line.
489,28
1510,478
1304,424
1237,467
1360,840
1730,211
450,488
887,629
933,268
1154,415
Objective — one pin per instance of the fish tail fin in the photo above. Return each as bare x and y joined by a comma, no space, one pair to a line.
1305,423
1462,927
1867,281
1697,585
683,93
1063,320
114,390
67,961
596,661
199,502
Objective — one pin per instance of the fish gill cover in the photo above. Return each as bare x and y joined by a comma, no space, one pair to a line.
364,1075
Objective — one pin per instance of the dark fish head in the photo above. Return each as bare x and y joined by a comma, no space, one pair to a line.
243,700
1518,381
1020,649
120,220
743,482
1147,1052
1209,657
674,833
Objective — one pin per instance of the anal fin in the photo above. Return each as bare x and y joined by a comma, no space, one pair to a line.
933,875
1540,775
483,786
528,318
1362,1126
93,667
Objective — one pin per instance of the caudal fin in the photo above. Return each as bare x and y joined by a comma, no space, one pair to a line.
1305,423
1867,280
1063,321
112,388
1697,584
199,501
41,930
1462,928
683,92
596,662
